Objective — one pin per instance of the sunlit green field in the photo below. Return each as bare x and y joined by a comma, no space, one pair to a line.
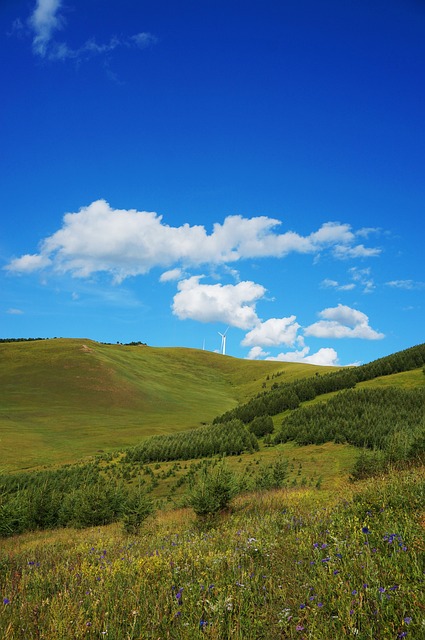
63,400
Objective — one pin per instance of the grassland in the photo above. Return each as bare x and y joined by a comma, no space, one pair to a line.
295,563
63,400
319,558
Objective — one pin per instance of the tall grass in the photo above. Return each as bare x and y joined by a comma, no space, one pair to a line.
283,564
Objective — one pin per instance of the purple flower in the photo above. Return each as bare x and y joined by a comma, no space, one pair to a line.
6,601
302,606
403,634
407,620
365,530
320,604
179,595
299,627
354,592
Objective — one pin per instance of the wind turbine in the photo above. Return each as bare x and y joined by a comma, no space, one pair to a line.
223,341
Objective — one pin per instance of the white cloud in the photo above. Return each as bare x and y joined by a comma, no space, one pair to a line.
172,274
345,252
324,357
233,305
130,242
256,353
362,277
333,284
15,312
343,322
28,263
44,21
409,285
273,332
143,40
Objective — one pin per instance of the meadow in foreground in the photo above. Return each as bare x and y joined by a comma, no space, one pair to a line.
291,563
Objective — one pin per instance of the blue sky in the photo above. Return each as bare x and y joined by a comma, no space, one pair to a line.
172,169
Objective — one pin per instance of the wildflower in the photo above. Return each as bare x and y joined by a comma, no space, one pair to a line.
407,620
320,605
202,623
299,627
302,606
381,589
179,595
365,530
403,634
6,601
354,592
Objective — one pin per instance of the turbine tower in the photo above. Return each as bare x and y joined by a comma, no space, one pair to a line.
223,341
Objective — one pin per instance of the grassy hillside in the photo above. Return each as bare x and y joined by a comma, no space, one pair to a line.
293,564
65,399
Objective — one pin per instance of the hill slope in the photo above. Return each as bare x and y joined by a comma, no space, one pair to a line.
63,399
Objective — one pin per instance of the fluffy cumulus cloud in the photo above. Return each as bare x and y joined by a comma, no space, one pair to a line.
172,274
324,357
257,353
47,19
343,322
273,332
233,305
130,242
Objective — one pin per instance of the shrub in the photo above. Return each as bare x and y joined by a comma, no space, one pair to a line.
214,490
92,505
137,508
261,426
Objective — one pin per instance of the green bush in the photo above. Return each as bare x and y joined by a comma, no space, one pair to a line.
261,426
92,505
137,508
214,490
14,514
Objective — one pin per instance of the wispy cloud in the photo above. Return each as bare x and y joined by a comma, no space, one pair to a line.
333,284
409,285
15,312
44,22
47,19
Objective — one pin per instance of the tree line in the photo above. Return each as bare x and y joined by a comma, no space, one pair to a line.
229,438
289,395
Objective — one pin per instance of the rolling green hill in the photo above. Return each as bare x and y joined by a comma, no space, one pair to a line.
64,399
